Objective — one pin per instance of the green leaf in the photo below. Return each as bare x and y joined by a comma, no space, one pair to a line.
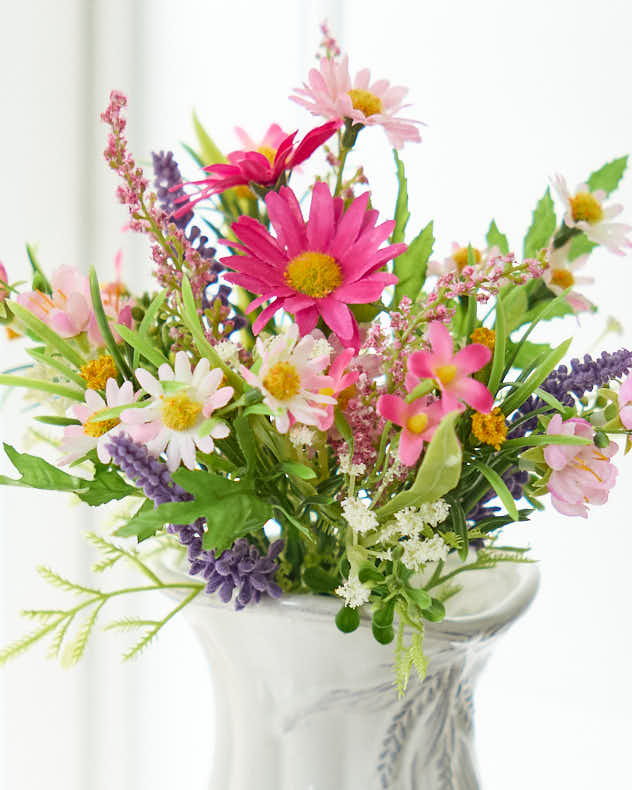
343,428
59,421
519,395
247,444
542,226
498,361
420,596
233,517
298,470
527,353
347,620
608,176
141,344
435,612
319,581
369,573
42,386
39,278
104,326
539,440
580,245
46,335
439,472
209,152
412,264
382,624
52,362
457,517
402,214
106,486
148,321
37,473
498,484
148,519
515,302
497,239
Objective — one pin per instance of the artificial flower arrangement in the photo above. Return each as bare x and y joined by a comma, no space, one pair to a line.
320,408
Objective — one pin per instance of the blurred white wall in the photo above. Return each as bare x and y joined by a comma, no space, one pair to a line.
511,93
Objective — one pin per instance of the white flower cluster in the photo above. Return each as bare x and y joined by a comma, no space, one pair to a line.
358,516
301,435
418,552
434,513
353,592
227,351
347,468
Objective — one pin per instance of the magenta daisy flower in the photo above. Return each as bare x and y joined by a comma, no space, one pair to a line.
264,166
331,94
316,268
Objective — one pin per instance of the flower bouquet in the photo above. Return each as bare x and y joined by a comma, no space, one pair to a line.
321,407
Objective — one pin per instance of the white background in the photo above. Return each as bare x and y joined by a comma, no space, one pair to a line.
511,93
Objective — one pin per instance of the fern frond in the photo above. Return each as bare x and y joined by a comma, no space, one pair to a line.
104,565
446,591
56,643
416,652
56,580
77,648
138,648
42,614
129,623
23,644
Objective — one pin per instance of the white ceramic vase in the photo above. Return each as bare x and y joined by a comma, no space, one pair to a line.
301,706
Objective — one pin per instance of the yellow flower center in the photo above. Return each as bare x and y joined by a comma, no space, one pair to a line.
327,391
562,277
282,381
97,372
586,207
417,423
314,274
365,101
446,373
179,412
486,337
243,191
96,429
490,428
460,257
268,152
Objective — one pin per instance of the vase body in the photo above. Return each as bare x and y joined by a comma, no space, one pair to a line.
301,706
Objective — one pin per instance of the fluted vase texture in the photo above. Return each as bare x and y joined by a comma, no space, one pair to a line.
301,706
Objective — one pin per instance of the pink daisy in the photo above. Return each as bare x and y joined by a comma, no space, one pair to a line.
263,167
268,145
419,420
331,94
451,371
316,268
341,381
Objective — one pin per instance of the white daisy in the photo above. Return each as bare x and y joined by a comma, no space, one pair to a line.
80,439
561,274
176,417
585,210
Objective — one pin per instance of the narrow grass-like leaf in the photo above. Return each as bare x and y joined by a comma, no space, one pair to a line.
104,326
540,440
42,386
143,344
209,152
402,214
59,421
498,361
547,310
148,321
53,362
552,359
45,334
499,486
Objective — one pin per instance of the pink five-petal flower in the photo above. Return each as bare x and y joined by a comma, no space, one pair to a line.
419,420
340,382
331,94
451,371
581,474
625,403
316,268
246,166
69,309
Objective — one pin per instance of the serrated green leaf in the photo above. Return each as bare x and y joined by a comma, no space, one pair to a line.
411,266
106,486
497,239
37,473
402,214
542,226
580,245
233,517
608,176
246,441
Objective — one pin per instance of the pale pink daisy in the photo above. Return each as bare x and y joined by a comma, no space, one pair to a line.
560,274
68,310
451,371
625,403
341,385
331,94
291,379
269,143
316,268
581,474
80,439
585,210
176,416
419,421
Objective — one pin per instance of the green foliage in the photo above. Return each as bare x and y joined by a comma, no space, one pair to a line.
542,226
408,655
149,320
43,386
580,245
520,395
497,239
608,176
298,470
319,581
104,327
525,355
382,623
347,620
499,486
209,153
402,214
37,473
498,360
52,361
143,347
412,264
44,334
106,485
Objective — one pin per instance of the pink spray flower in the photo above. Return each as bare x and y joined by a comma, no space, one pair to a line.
268,145
341,381
419,420
69,309
314,268
451,371
246,166
331,94
625,403
4,291
582,474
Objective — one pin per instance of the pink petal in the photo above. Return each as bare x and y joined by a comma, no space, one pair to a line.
441,341
472,358
265,316
393,408
306,319
419,364
320,225
338,317
474,393
625,415
410,447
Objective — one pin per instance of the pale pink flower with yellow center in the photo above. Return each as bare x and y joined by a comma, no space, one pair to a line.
81,439
269,143
585,210
457,260
451,371
341,385
625,403
4,281
560,274
68,310
330,93
291,379
176,417
582,474
316,268
419,420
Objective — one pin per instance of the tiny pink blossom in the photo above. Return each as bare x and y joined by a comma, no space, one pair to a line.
419,420
625,403
340,381
581,474
451,371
